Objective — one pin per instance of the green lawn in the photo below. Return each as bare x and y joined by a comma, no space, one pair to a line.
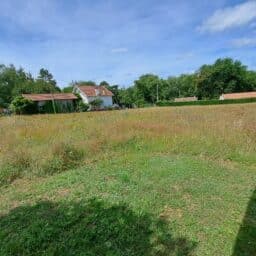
136,200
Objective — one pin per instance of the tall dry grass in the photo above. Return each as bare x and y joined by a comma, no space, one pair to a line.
46,144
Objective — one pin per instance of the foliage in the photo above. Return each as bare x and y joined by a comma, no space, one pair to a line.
14,82
104,83
84,83
90,227
79,105
182,166
96,103
205,102
20,105
208,82
224,76
116,93
126,97
82,107
145,88
182,86
68,89
46,82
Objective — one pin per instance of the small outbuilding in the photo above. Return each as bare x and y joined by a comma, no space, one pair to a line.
63,102
185,99
240,95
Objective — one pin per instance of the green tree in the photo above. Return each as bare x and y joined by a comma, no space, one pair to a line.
13,82
146,88
104,83
224,76
251,80
45,82
68,89
126,97
116,93
20,105
84,83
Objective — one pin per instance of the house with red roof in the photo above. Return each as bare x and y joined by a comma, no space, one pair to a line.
90,93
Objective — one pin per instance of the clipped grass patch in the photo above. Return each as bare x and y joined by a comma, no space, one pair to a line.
87,228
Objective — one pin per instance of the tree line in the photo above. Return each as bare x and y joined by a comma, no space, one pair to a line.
14,82
208,82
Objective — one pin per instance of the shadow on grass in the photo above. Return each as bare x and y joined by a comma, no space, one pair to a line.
86,228
246,238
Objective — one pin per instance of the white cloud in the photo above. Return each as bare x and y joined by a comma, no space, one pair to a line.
243,42
230,17
119,50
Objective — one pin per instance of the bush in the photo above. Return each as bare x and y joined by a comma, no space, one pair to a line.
204,102
82,107
96,104
20,105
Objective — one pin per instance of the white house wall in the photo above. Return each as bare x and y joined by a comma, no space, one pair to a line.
84,98
106,100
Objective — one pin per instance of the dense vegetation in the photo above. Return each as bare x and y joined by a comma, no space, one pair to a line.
208,82
14,82
154,181
204,102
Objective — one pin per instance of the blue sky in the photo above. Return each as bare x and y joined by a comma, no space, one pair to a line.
117,40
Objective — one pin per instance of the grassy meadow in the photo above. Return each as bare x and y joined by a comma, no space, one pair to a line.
155,181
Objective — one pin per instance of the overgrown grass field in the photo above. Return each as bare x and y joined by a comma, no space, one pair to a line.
155,181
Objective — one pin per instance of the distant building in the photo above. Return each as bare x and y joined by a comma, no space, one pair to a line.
185,99
61,100
240,95
90,93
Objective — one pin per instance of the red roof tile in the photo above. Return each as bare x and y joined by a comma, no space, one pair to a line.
93,91
49,96
240,95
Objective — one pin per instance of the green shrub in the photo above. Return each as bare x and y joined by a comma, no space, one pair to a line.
204,102
82,107
20,105
96,104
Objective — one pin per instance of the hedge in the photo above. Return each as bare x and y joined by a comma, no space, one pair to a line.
204,102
